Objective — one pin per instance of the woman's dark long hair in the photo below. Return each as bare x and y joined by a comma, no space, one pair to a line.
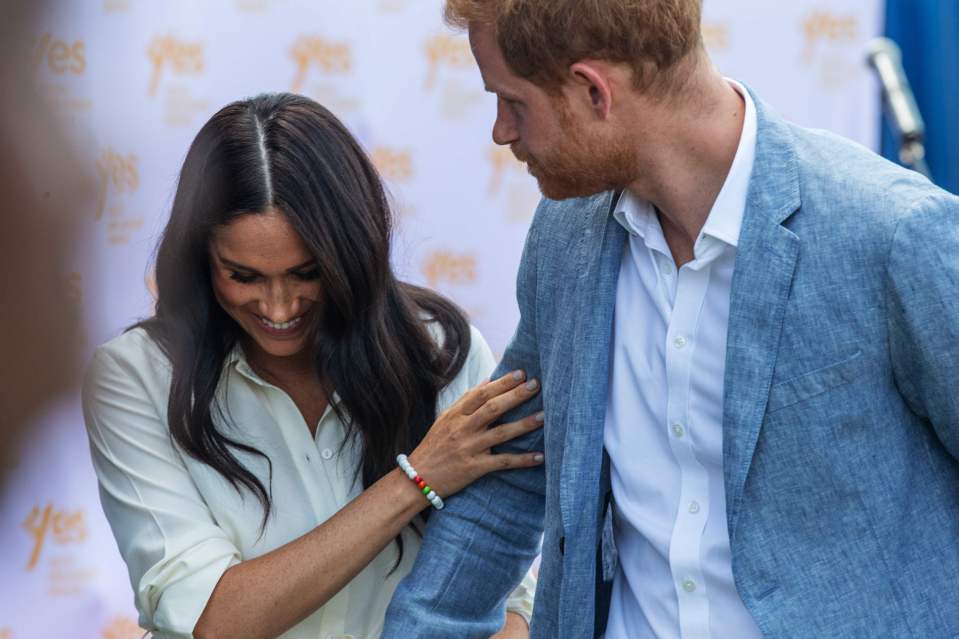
287,153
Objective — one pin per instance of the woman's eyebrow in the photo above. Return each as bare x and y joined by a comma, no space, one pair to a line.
243,267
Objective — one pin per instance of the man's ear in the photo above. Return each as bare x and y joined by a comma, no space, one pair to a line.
590,77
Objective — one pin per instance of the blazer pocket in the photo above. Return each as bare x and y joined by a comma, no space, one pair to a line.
814,383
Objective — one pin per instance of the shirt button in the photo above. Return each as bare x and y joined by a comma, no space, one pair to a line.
667,269
694,507
327,453
678,430
679,342
689,585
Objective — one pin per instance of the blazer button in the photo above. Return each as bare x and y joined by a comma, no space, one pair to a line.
562,545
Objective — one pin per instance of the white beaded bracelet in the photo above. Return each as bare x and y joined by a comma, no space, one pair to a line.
428,492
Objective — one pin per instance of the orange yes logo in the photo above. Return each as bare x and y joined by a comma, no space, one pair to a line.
122,628
118,171
59,56
446,50
392,164
6,633
445,266
822,26
501,160
64,527
330,57
183,58
509,180
716,36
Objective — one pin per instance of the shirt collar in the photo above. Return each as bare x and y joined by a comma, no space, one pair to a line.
725,218
237,360
639,218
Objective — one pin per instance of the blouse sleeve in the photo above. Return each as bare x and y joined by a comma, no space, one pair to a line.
174,551
478,367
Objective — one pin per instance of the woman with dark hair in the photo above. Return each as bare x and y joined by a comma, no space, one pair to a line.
246,437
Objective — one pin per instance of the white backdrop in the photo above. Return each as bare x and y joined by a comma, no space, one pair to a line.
136,79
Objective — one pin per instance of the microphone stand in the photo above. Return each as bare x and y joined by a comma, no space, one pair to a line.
885,57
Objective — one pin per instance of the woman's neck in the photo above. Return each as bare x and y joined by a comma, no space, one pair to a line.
280,370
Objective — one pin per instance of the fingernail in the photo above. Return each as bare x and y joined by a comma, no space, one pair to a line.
540,417
518,375
538,458
531,385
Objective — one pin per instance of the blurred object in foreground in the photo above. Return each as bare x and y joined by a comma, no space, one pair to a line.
43,190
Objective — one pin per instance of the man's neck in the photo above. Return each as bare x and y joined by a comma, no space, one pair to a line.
684,168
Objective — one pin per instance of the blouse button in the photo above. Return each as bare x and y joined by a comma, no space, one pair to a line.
327,453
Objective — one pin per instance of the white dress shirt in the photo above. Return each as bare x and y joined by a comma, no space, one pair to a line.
179,524
664,432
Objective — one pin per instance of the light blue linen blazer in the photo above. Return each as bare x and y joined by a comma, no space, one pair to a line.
841,414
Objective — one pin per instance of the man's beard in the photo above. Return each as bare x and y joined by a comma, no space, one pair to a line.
584,166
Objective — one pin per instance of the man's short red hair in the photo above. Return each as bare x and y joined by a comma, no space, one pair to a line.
540,39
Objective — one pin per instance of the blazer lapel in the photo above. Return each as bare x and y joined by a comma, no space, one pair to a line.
603,241
765,263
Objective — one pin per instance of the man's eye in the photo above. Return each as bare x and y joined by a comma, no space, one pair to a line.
243,278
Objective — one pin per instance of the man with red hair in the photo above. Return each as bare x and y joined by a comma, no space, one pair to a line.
746,334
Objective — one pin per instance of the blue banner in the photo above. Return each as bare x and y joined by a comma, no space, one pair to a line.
928,33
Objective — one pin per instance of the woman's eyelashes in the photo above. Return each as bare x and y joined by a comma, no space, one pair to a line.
243,278
249,278
308,275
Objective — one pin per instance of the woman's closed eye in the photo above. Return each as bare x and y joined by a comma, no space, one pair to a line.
243,278
249,278
308,275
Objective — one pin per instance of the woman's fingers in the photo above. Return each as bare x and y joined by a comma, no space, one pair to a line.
505,432
510,461
478,396
455,451
497,406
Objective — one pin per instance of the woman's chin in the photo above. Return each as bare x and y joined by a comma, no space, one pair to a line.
276,348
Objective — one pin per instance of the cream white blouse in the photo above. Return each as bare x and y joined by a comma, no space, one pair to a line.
180,525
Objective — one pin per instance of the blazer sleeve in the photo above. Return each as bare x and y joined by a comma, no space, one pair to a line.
174,551
479,366
478,548
922,292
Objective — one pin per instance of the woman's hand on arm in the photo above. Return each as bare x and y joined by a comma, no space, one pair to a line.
457,449
266,596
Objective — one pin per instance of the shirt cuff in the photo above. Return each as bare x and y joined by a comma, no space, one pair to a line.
520,602
175,597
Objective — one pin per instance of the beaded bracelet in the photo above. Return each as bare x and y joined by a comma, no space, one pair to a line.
405,466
